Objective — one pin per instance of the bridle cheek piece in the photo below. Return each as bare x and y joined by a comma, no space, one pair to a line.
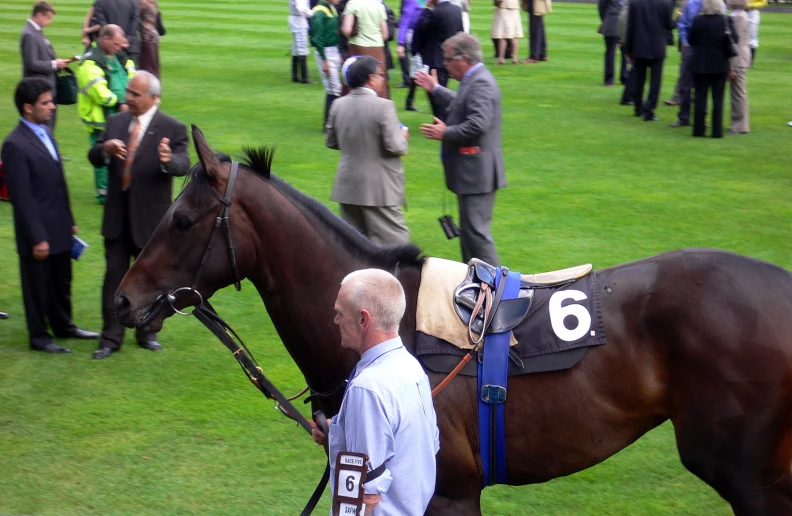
221,220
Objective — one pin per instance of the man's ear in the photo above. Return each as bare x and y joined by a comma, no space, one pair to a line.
27,109
365,319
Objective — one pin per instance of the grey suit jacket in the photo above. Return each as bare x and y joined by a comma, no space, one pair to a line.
125,14
471,150
37,55
365,128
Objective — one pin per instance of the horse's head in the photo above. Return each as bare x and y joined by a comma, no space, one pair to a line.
189,257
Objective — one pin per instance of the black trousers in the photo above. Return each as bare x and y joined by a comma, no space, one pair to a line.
639,69
610,58
442,78
702,82
685,84
118,254
537,41
46,294
404,63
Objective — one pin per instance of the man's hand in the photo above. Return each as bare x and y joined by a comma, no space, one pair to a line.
326,67
115,148
318,436
41,250
400,50
75,229
164,151
122,108
371,501
434,131
60,64
426,81
732,75
86,41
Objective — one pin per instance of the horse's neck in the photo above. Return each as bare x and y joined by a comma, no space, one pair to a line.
298,273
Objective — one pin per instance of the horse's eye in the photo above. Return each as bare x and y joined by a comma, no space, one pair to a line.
180,223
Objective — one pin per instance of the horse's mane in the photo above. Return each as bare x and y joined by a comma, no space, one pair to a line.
258,160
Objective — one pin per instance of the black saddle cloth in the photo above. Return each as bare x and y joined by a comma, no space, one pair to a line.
554,335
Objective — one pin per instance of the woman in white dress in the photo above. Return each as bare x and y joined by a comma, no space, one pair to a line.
507,25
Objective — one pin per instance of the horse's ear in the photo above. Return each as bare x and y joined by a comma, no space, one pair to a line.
209,161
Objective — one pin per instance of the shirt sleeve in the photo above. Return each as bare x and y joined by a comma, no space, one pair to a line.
368,430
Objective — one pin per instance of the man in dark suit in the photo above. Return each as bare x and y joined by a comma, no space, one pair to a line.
43,219
38,56
432,29
648,23
471,142
125,14
144,148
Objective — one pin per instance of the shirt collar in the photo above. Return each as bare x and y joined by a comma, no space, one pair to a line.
34,24
373,353
145,119
36,128
366,90
472,69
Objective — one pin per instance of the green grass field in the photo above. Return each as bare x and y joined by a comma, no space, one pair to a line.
182,432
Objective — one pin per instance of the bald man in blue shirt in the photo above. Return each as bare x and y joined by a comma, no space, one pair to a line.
387,411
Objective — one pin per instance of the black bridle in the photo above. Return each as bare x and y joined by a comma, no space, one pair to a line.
206,314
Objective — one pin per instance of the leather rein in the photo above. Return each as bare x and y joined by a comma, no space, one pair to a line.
205,313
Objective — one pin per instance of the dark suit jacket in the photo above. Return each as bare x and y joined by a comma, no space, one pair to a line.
151,191
37,55
648,23
441,23
38,191
609,15
125,14
707,39
473,119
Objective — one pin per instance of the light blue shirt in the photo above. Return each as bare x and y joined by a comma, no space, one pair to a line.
387,413
43,135
685,21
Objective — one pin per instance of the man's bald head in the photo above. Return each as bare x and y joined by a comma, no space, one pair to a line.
111,39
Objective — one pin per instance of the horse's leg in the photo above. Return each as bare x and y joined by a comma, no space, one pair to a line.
751,474
458,487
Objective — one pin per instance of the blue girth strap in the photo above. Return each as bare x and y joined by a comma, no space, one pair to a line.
492,375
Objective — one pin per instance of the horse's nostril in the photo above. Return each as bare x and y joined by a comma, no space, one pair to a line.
122,304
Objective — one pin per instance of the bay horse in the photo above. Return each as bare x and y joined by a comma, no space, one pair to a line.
700,337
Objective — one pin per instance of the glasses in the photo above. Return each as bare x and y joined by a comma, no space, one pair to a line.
447,59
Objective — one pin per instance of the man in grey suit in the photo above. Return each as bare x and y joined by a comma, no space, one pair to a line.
471,141
125,14
369,185
38,56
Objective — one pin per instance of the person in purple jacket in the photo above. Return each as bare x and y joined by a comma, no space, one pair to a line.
410,10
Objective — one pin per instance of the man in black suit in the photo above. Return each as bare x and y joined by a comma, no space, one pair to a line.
38,56
125,14
144,149
648,23
433,28
43,219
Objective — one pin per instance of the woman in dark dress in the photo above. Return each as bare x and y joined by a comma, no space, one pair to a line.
149,37
711,67
609,16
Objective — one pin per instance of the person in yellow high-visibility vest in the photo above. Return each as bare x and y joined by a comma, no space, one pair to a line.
102,77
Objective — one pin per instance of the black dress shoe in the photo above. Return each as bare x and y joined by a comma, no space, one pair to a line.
101,353
651,118
679,124
410,107
152,345
3,315
50,347
77,333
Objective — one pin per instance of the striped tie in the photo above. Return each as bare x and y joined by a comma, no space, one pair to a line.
132,145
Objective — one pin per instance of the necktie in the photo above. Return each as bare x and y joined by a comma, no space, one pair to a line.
132,145
47,141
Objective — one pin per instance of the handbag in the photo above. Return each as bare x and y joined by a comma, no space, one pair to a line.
66,88
160,27
729,48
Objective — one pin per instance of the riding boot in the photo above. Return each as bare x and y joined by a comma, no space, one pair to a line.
328,102
303,70
295,64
